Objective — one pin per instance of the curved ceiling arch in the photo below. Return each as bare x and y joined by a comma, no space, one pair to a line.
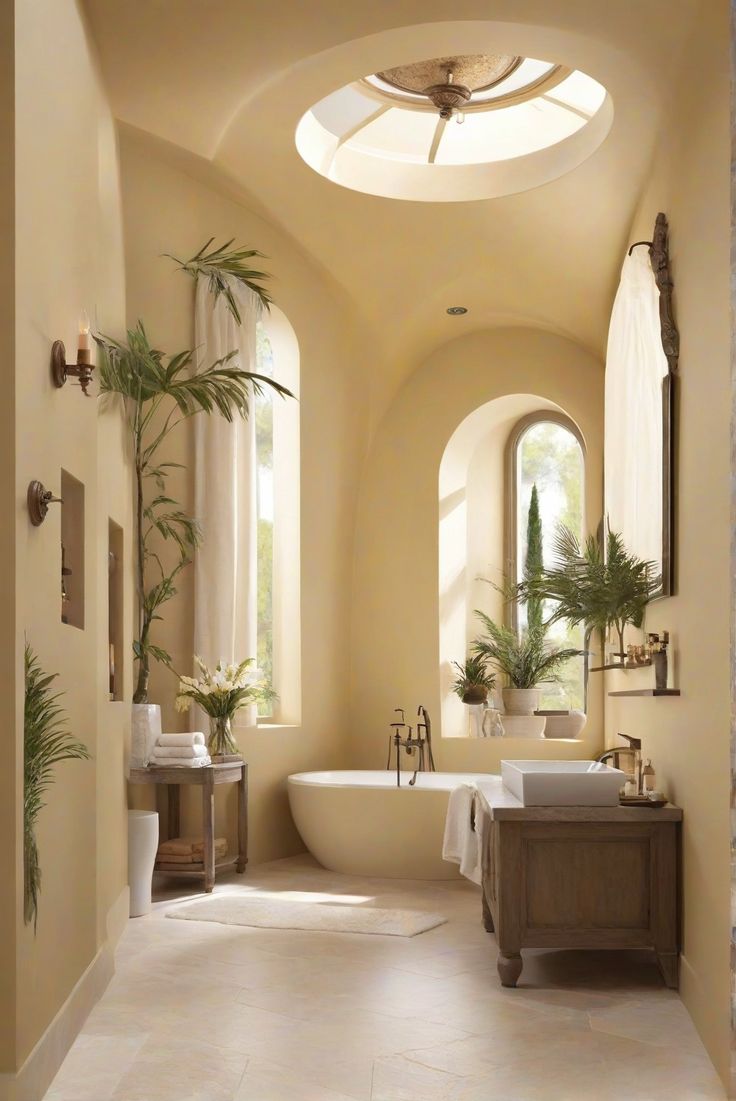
231,82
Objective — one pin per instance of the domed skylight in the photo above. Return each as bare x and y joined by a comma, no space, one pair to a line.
456,128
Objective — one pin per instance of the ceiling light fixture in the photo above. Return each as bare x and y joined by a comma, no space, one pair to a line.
456,311
448,83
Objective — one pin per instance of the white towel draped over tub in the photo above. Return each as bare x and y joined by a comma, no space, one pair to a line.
463,841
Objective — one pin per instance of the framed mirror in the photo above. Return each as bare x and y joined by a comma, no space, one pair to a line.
640,407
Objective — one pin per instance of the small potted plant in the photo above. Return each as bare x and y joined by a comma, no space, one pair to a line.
221,692
474,680
526,661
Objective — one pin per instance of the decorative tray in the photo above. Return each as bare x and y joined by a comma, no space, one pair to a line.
641,801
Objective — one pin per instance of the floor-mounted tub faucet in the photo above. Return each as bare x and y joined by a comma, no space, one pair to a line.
420,744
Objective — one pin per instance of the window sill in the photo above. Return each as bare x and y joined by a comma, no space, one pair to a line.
264,726
512,738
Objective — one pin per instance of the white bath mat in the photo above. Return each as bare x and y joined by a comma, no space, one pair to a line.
267,913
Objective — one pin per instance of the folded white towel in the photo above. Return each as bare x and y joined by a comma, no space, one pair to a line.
181,739
180,750
462,844
181,762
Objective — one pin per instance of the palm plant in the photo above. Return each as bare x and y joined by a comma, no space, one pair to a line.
221,267
473,679
602,587
526,659
46,743
160,392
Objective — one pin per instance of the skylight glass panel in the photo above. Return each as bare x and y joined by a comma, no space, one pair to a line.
344,110
529,72
579,91
398,134
501,135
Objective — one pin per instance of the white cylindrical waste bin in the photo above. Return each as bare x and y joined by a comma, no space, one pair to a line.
142,848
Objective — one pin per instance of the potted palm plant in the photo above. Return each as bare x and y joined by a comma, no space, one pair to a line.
160,392
474,680
525,660
600,585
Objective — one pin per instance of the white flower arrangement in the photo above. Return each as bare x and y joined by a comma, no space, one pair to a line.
221,691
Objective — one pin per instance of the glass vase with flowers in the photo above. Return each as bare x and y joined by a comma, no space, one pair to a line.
221,692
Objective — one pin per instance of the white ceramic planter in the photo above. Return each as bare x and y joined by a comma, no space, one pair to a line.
567,725
521,701
145,731
142,848
524,726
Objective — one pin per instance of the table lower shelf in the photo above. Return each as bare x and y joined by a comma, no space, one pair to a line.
193,869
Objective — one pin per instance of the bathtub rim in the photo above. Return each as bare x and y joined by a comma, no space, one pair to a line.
311,779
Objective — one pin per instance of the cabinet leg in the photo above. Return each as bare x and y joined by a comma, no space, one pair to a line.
172,824
669,965
208,830
242,821
487,915
509,969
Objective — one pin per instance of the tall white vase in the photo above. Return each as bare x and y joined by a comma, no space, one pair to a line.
142,848
144,733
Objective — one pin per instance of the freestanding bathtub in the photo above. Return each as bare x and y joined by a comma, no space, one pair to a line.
361,823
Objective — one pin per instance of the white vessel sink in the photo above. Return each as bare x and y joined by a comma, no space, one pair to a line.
562,783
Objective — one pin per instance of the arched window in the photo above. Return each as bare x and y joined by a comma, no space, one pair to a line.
277,460
546,450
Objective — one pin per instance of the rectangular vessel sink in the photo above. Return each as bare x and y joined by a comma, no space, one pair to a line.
562,783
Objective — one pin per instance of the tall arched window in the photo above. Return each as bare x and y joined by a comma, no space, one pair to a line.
546,450
277,485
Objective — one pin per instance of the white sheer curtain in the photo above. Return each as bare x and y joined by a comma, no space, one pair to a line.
225,579
635,367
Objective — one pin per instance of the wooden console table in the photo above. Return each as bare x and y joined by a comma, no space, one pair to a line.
208,778
579,877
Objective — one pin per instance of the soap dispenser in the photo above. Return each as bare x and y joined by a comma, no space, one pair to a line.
648,778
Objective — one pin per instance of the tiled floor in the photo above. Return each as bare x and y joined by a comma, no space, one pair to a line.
206,1012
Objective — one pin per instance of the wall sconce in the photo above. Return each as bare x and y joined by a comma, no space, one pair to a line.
83,368
39,498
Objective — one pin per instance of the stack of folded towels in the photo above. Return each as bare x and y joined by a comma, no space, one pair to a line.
180,751
188,850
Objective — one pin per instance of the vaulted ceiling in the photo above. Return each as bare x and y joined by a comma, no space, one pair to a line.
229,80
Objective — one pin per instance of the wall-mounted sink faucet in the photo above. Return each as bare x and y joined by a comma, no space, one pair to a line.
421,744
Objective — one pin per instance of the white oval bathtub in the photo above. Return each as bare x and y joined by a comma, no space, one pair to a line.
361,823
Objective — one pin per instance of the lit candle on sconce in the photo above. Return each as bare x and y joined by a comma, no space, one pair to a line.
83,368
84,344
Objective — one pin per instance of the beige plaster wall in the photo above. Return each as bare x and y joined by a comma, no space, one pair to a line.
9,775
395,641
69,257
172,205
688,738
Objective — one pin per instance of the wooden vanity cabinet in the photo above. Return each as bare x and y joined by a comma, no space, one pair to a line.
581,877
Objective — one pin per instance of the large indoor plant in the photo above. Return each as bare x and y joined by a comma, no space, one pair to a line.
600,585
160,392
46,743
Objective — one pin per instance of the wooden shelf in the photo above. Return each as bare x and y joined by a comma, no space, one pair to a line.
193,868
648,692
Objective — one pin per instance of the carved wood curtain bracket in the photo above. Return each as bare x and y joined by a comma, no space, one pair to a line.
660,257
